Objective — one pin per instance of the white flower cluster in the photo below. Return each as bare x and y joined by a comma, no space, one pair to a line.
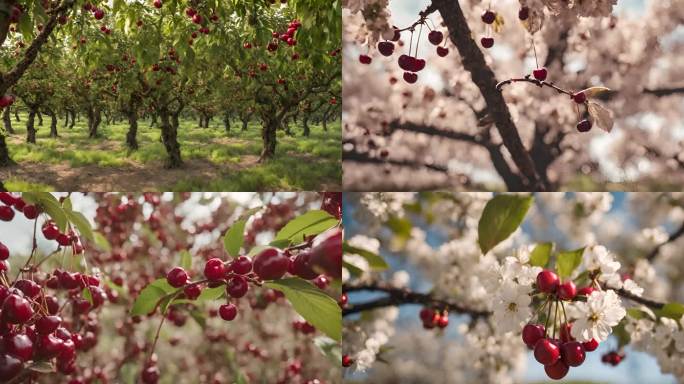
663,339
363,340
384,205
596,318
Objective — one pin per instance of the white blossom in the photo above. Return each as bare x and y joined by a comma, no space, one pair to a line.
602,311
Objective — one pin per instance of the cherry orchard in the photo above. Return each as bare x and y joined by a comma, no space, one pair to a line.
509,294
506,93
239,266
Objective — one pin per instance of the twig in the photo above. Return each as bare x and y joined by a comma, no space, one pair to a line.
528,79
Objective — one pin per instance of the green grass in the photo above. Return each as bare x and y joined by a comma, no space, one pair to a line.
301,163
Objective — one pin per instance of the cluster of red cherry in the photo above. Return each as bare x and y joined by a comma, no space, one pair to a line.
432,318
556,354
33,322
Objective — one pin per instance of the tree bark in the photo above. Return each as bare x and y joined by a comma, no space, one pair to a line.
30,128
482,75
66,118
268,135
226,122
132,134
94,119
170,139
153,120
245,120
16,115
73,119
7,120
40,118
53,122
5,159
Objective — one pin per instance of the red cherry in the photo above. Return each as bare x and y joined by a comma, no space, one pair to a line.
435,37
4,252
347,361
150,375
426,314
585,291
99,14
197,18
442,51
532,333
177,277
590,345
573,353
31,212
567,291
6,197
546,352
228,312
214,269
157,4
321,282
9,367
540,73
16,309
487,42
547,281
19,345
237,287
410,77
557,371
443,321
192,292
565,332
50,231
524,13
48,324
29,288
584,125
63,240
488,16
242,265
365,59
271,264
405,62
6,213
386,48
579,97
301,266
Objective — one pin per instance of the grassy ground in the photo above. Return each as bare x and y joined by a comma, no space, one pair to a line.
214,161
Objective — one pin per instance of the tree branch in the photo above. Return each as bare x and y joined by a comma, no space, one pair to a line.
664,91
647,302
674,236
474,62
398,297
364,158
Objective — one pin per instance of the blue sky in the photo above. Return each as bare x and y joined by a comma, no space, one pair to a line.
637,368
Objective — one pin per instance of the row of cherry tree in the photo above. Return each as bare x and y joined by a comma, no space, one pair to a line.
270,61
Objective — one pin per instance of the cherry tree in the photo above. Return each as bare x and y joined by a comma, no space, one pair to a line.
221,288
549,274
521,95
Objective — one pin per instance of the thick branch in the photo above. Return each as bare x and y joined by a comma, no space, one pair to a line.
364,158
637,299
397,297
11,78
474,62
664,91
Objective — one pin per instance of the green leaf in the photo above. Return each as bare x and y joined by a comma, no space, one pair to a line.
375,261
671,310
50,206
87,295
102,242
568,261
637,314
310,223
540,254
353,269
252,252
148,298
314,305
235,236
501,217
199,317
280,243
330,348
185,260
81,224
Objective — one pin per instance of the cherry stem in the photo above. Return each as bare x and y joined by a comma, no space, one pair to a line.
565,315
548,317
528,79
555,318
420,33
534,48
536,314
33,251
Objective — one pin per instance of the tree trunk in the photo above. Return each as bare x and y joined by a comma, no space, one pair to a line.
66,118
53,122
40,118
131,136
16,115
201,120
30,129
5,159
170,139
245,120
175,121
305,122
73,119
153,121
7,120
226,122
94,119
268,135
